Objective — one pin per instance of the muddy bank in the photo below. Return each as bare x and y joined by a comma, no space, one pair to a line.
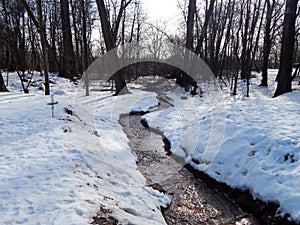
193,202
264,213
196,198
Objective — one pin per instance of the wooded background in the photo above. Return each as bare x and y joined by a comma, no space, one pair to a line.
233,37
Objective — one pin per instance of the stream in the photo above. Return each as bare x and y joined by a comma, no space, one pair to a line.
195,197
192,201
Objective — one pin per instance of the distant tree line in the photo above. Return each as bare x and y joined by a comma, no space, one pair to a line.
234,37
57,35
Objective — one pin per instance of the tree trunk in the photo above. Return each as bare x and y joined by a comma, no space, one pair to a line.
208,14
190,25
68,53
267,45
44,45
115,28
287,46
37,25
8,42
224,54
77,58
245,38
110,44
2,84
84,38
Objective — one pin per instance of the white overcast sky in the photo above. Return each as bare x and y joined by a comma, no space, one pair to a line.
157,10
162,10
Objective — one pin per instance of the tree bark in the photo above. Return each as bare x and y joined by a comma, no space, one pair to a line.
44,45
224,54
245,56
9,45
2,84
84,38
40,30
287,46
267,45
208,14
68,53
190,25
115,28
110,44
77,59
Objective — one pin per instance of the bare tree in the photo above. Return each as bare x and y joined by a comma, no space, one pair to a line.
190,25
42,31
203,33
84,36
2,84
54,35
68,52
14,23
39,24
287,49
273,14
109,35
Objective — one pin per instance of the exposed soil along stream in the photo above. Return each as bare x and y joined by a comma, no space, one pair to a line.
196,198
192,201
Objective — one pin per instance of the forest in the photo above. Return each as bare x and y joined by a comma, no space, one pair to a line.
233,37
177,149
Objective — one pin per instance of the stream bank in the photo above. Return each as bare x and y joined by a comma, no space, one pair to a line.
192,201
195,197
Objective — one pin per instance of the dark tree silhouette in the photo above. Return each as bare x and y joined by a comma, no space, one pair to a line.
287,48
190,25
273,8
42,31
109,39
68,52
2,84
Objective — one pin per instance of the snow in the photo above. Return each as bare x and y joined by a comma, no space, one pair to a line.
62,170
259,140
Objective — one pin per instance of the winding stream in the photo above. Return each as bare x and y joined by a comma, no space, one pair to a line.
193,202
195,198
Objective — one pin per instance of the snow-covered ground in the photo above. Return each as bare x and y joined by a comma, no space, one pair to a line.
62,170
256,140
